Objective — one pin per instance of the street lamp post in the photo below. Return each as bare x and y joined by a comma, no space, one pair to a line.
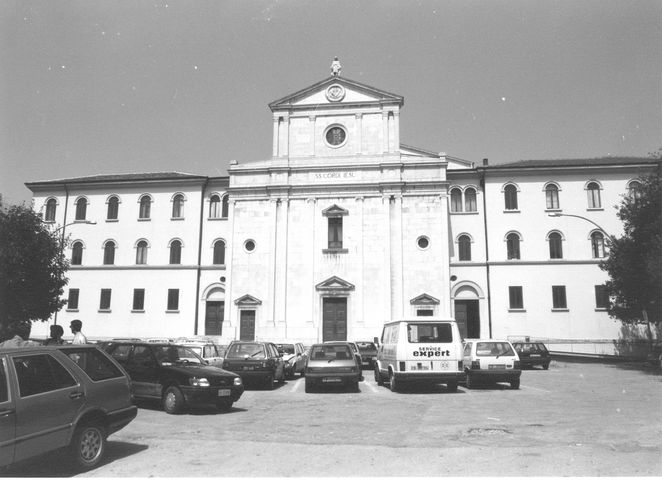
79,222
556,214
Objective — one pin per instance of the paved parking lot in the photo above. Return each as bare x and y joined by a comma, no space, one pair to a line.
574,419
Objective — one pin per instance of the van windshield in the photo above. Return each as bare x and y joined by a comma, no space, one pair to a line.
429,333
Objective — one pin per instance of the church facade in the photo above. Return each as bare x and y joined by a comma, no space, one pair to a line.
342,229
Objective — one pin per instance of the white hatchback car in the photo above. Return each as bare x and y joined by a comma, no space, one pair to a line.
491,361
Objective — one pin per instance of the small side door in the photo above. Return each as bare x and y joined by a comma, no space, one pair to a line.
7,416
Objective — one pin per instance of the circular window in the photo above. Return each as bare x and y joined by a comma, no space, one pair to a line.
249,245
423,242
335,136
222,279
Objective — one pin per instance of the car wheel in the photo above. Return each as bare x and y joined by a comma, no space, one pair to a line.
514,384
88,445
471,383
224,405
309,386
281,380
545,366
269,382
355,388
173,400
393,383
378,376
451,386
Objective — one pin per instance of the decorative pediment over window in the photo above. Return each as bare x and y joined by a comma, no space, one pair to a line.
247,301
424,299
334,284
335,211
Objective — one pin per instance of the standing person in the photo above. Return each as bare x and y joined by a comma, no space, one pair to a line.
76,327
56,336
21,334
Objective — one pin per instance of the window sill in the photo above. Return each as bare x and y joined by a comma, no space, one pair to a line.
111,220
560,309
50,222
473,212
172,311
517,210
71,310
332,251
552,210
137,311
599,309
175,219
144,219
104,310
595,209
215,219
517,310
81,220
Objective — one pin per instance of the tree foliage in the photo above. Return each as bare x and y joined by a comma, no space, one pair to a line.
634,264
32,268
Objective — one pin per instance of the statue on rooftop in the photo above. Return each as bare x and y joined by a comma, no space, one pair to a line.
335,67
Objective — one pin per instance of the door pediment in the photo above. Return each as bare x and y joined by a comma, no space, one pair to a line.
424,299
334,284
247,301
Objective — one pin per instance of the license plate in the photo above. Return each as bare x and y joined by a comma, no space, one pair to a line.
224,392
331,380
497,367
246,367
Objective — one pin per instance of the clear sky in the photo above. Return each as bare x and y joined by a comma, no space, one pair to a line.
105,86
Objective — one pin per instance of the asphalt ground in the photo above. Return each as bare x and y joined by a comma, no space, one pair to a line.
575,419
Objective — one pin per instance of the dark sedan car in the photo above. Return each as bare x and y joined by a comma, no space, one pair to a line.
255,362
175,375
532,353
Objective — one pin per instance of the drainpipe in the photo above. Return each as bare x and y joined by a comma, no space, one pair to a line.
487,249
197,284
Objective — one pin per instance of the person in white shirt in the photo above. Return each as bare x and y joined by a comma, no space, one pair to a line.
76,327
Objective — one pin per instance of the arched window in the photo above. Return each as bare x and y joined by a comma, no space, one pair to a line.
178,206
77,253
555,247
464,248
81,208
175,252
510,196
552,197
145,206
51,206
214,206
113,208
224,207
141,252
634,189
512,245
598,245
219,253
470,200
593,192
109,253
456,200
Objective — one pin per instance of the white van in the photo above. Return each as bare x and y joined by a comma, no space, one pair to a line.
422,350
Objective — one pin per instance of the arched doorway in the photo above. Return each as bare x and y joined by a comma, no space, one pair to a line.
214,310
466,300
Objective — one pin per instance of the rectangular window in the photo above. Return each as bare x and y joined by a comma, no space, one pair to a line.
72,302
516,298
601,296
104,300
173,299
558,297
138,299
335,233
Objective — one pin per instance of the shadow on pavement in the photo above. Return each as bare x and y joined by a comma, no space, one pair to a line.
56,464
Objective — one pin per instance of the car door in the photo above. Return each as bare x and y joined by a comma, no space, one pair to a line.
7,415
144,372
49,400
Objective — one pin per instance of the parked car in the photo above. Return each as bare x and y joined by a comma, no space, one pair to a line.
175,375
368,352
206,349
294,356
355,351
59,396
491,361
532,353
255,362
332,364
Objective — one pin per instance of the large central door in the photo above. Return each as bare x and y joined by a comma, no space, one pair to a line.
334,319
214,318
247,325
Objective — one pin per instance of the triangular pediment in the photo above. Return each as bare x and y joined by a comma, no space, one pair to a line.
334,211
334,284
424,299
247,301
336,91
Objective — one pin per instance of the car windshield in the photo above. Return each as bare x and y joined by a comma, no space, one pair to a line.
429,333
530,347
367,346
241,350
175,354
494,349
285,348
331,352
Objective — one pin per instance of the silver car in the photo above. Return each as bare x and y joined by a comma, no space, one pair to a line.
332,365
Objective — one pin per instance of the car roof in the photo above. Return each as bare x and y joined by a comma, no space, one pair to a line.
33,348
